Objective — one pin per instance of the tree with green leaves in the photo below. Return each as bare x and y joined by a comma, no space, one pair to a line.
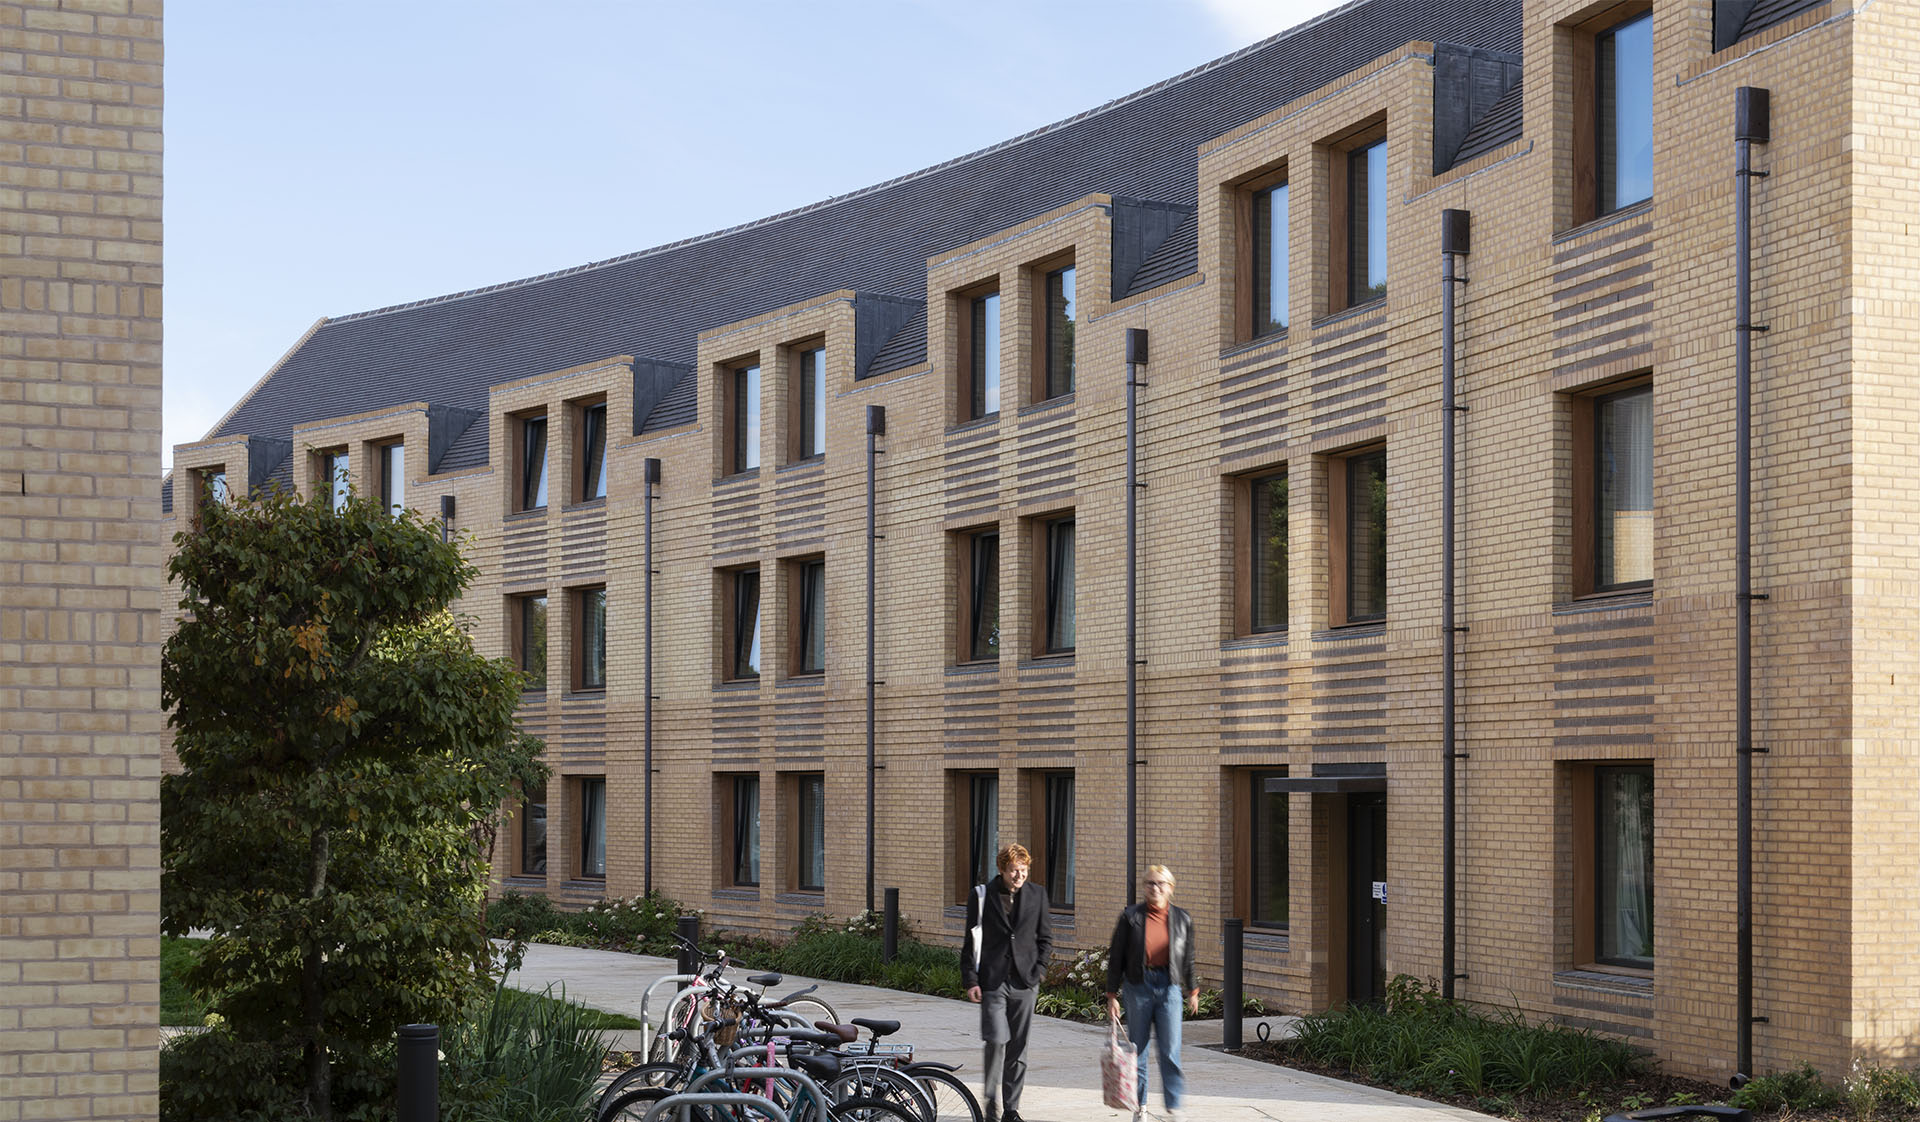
346,753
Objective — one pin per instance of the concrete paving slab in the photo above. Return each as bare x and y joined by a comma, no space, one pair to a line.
1063,1072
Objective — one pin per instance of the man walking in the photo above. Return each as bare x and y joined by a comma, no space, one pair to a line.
1002,967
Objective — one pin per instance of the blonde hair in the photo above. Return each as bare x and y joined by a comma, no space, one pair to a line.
1163,873
1015,854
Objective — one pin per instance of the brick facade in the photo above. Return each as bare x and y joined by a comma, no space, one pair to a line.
1554,682
81,558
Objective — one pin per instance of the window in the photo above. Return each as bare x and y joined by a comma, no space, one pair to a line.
393,478
981,360
1057,333
1055,834
533,463
529,632
977,795
810,404
1266,852
810,828
745,821
1358,486
590,624
1613,490
1366,224
1057,610
333,480
1264,246
743,618
593,827
533,833
210,486
1612,825
1263,580
810,619
744,404
593,452
1623,89
980,596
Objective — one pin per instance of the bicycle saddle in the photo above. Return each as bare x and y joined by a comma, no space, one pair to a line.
821,1065
877,1027
846,1033
765,980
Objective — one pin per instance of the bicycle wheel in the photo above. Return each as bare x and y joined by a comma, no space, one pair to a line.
634,1078
882,1084
810,1009
870,1110
953,1100
633,1106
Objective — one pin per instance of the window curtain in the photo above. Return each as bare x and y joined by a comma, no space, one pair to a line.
594,426
593,827
1626,864
983,829
1060,840
813,617
533,463
1625,450
746,830
746,624
1060,621
986,596
593,640
813,824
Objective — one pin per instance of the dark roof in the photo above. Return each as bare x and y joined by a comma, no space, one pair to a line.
1177,256
1500,125
652,304
1766,13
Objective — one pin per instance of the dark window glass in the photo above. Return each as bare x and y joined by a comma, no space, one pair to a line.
593,453
1268,563
813,618
393,478
1623,445
984,377
746,829
1059,841
983,827
533,463
334,477
1270,278
744,660
1367,223
1623,865
811,409
1367,537
746,418
593,827
1268,844
813,833
1624,72
533,640
1060,316
1060,618
983,607
533,832
593,639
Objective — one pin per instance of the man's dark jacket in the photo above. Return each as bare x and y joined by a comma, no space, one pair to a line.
1127,951
1028,930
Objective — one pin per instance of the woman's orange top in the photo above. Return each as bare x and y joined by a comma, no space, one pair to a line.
1156,932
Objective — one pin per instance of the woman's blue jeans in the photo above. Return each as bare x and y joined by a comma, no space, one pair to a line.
1153,1013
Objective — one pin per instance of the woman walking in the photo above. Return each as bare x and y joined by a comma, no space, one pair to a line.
1150,966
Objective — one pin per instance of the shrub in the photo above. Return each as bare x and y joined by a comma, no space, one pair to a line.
522,1059
1803,1089
520,915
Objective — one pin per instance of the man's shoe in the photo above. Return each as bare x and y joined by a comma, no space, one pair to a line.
993,1110
1012,1116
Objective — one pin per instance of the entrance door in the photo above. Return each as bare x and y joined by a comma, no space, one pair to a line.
1366,897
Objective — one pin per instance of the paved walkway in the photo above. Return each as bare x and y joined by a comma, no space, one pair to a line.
1063,1073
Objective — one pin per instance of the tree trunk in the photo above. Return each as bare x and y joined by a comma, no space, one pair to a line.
319,1071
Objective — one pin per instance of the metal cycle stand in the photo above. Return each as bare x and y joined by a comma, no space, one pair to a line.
685,1099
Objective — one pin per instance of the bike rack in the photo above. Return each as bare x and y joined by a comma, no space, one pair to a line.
765,1106
647,1031
732,1072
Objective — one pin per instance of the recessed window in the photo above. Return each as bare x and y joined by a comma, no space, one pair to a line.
1266,259
1367,223
1358,486
810,832
1263,577
1613,863
593,827
1623,89
743,407
977,798
532,456
1612,490
529,632
590,622
810,617
393,478
1057,608
1266,852
809,424
334,478
532,855
209,486
1058,296
743,623
744,819
980,358
1055,834
979,584
593,452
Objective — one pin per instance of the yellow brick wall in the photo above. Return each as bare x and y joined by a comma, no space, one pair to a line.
81,558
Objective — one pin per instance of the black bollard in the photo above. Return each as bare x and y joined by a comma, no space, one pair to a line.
890,927
1230,990
419,1097
688,928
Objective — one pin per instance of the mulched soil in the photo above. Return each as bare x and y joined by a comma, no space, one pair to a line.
1647,1091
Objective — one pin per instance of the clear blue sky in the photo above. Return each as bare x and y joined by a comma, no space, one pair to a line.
334,156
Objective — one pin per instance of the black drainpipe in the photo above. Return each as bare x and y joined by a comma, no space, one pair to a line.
1136,356
876,426
650,475
1455,240
1750,124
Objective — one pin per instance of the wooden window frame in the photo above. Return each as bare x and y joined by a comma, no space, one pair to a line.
797,631
793,789
1040,558
203,481
960,799
1339,208
585,473
726,813
1584,128
1040,373
1246,195
966,553
577,603
324,483
383,455
1583,822
1584,490
730,617
528,799
963,303
577,787
521,484
1245,577
1339,529
517,634
742,439
1244,787
1036,781
801,420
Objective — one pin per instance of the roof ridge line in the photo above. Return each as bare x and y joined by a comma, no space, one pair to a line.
860,192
